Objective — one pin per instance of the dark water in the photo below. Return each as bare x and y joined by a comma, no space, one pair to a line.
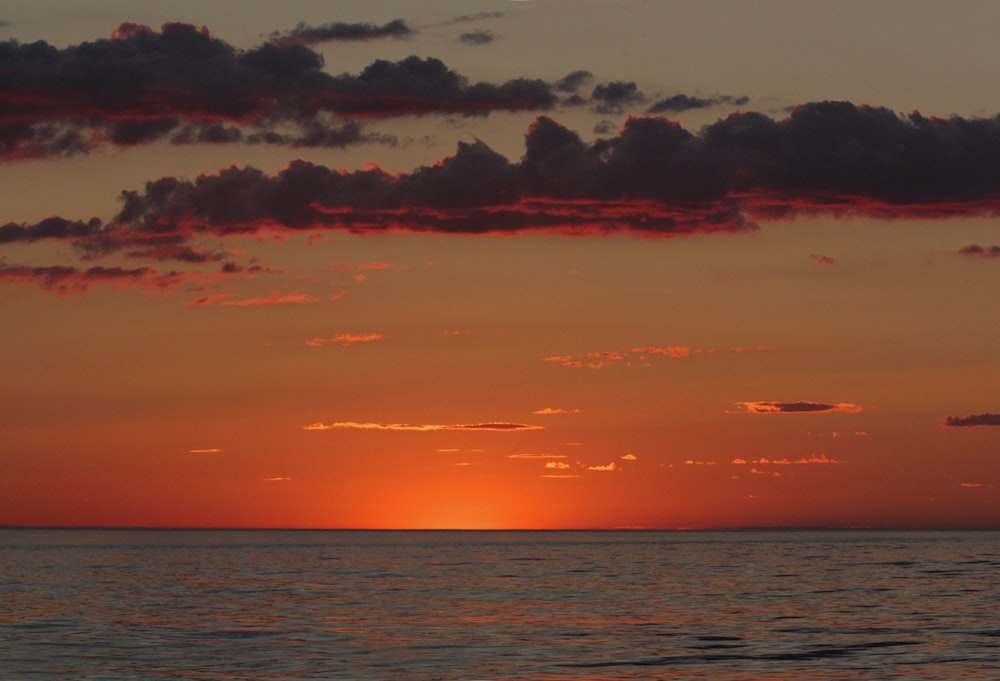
82,604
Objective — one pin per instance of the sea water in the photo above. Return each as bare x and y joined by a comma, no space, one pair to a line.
262,605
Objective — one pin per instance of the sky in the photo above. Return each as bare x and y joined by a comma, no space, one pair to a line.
499,264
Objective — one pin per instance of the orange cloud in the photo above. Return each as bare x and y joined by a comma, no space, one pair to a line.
972,421
421,427
558,465
273,298
550,411
344,339
629,457
211,450
797,407
599,360
607,467
536,456
277,479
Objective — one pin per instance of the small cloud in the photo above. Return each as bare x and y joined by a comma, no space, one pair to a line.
693,462
273,298
557,465
344,339
629,457
478,37
977,251
797,408
210,450
971,485
277,479
972,421
536,456
422,427
552,411
607,467
739,462
551,475
823,259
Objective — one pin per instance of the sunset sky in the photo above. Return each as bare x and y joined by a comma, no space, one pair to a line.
498,264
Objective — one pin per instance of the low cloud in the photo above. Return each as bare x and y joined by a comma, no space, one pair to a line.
605,468
344,339
477,37
422,427
552,411
681,102
972,421
280,478
210,450
977,251
66,280
797,408
600,360
557,465
339,31
823,259
536,456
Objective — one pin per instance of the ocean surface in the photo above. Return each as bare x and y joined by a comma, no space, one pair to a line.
263,605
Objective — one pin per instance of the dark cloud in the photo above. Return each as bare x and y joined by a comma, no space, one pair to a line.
477,37
65,279
573,81
614,97
682,102
975,250
143,85
652,177
971,421
468,18
797,407
339,31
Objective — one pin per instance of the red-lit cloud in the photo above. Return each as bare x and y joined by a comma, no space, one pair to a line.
344,339
422,427
972,421
64,279
977,251
599,360
797,408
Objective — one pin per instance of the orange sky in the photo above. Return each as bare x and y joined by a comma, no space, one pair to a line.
515,323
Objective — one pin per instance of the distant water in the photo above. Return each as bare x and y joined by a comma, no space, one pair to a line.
263,605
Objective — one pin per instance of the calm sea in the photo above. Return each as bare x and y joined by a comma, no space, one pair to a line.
261,605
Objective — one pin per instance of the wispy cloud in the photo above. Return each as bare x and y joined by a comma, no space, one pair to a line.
344,339
557,465
604,468
553,411
66,279
279,478
273,298
986,419
536,456
341,31
423,427
823,259
210,450
599,360
797,408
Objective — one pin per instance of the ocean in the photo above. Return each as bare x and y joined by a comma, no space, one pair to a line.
422,606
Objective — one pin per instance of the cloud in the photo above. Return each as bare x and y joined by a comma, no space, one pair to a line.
211,450
467,19
277,479
615,96
823,259
477,37
64,279
971,485
629,457
651,178
551,411
273,298
340,31
552,475
557,465
680,102
574,81
972,421
422,427
797,407
183,84
605,468
536,456
599,360
344,339
972,250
